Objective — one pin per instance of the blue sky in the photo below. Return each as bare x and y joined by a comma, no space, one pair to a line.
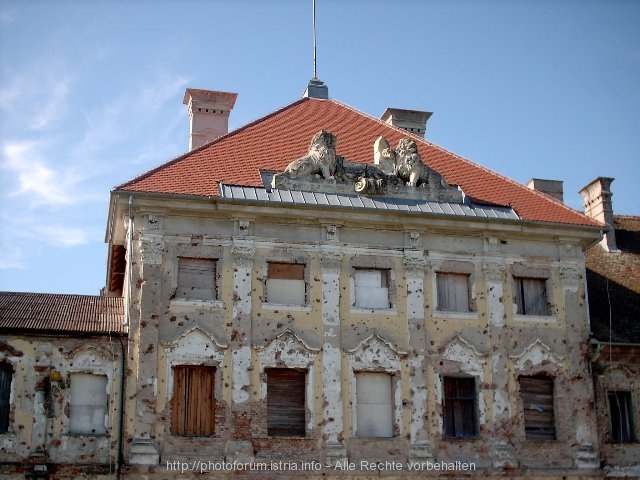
91,96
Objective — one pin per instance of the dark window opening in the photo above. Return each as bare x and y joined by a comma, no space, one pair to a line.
621,416
460,407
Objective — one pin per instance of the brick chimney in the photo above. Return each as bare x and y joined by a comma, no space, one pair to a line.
209,114
598,205
553,188
413,121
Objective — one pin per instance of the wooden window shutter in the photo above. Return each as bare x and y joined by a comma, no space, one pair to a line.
537,402
196,279
193,401
286,402
460,407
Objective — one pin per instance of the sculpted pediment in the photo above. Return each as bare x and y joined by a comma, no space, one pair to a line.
395,173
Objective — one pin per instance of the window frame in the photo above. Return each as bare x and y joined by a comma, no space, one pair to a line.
185,386
385,277
6,383
104,425
523,307
296,407
627,409
181,293
531,431
391,405
453,407
442,275
293,266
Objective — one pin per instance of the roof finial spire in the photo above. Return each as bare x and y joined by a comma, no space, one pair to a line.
316,88
315,63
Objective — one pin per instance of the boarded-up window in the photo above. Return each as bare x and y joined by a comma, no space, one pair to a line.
285,283
89,404
286,402
371,288
537,403
6,372
196,279
531,296
193,401
460,407
453,292
374,404
621,417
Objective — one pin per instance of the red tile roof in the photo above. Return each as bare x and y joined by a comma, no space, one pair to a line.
272,142
48,312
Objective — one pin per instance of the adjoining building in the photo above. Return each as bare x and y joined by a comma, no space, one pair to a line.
322,286
613,278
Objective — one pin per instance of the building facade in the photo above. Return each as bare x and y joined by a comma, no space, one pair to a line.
327,303
322,293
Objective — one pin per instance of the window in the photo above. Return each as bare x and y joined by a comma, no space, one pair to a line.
286,402
89,404
531,296
196,279
371,288
285,283
537,403
374,405
460,407
453,292
193,401
620,413
6,372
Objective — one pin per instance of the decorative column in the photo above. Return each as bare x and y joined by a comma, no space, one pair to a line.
144,329
581,388
240,447
415,265
502,452
332,409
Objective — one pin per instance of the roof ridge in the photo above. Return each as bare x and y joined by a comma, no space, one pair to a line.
2,292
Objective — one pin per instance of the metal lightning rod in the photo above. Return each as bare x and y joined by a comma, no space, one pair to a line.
315,65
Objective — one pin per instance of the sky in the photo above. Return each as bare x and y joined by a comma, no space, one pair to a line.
91,96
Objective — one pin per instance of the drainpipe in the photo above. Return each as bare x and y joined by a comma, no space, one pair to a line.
120,412
127,303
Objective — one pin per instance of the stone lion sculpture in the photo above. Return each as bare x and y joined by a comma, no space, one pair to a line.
409,166
320,159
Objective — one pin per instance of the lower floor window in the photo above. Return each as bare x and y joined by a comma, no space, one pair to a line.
460,407
193,401
374,404
88,404
286,402
537,403
621,417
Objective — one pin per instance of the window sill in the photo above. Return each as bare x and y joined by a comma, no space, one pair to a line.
461,439
90,435
455,315
374,311
534,318
285,306
182,302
